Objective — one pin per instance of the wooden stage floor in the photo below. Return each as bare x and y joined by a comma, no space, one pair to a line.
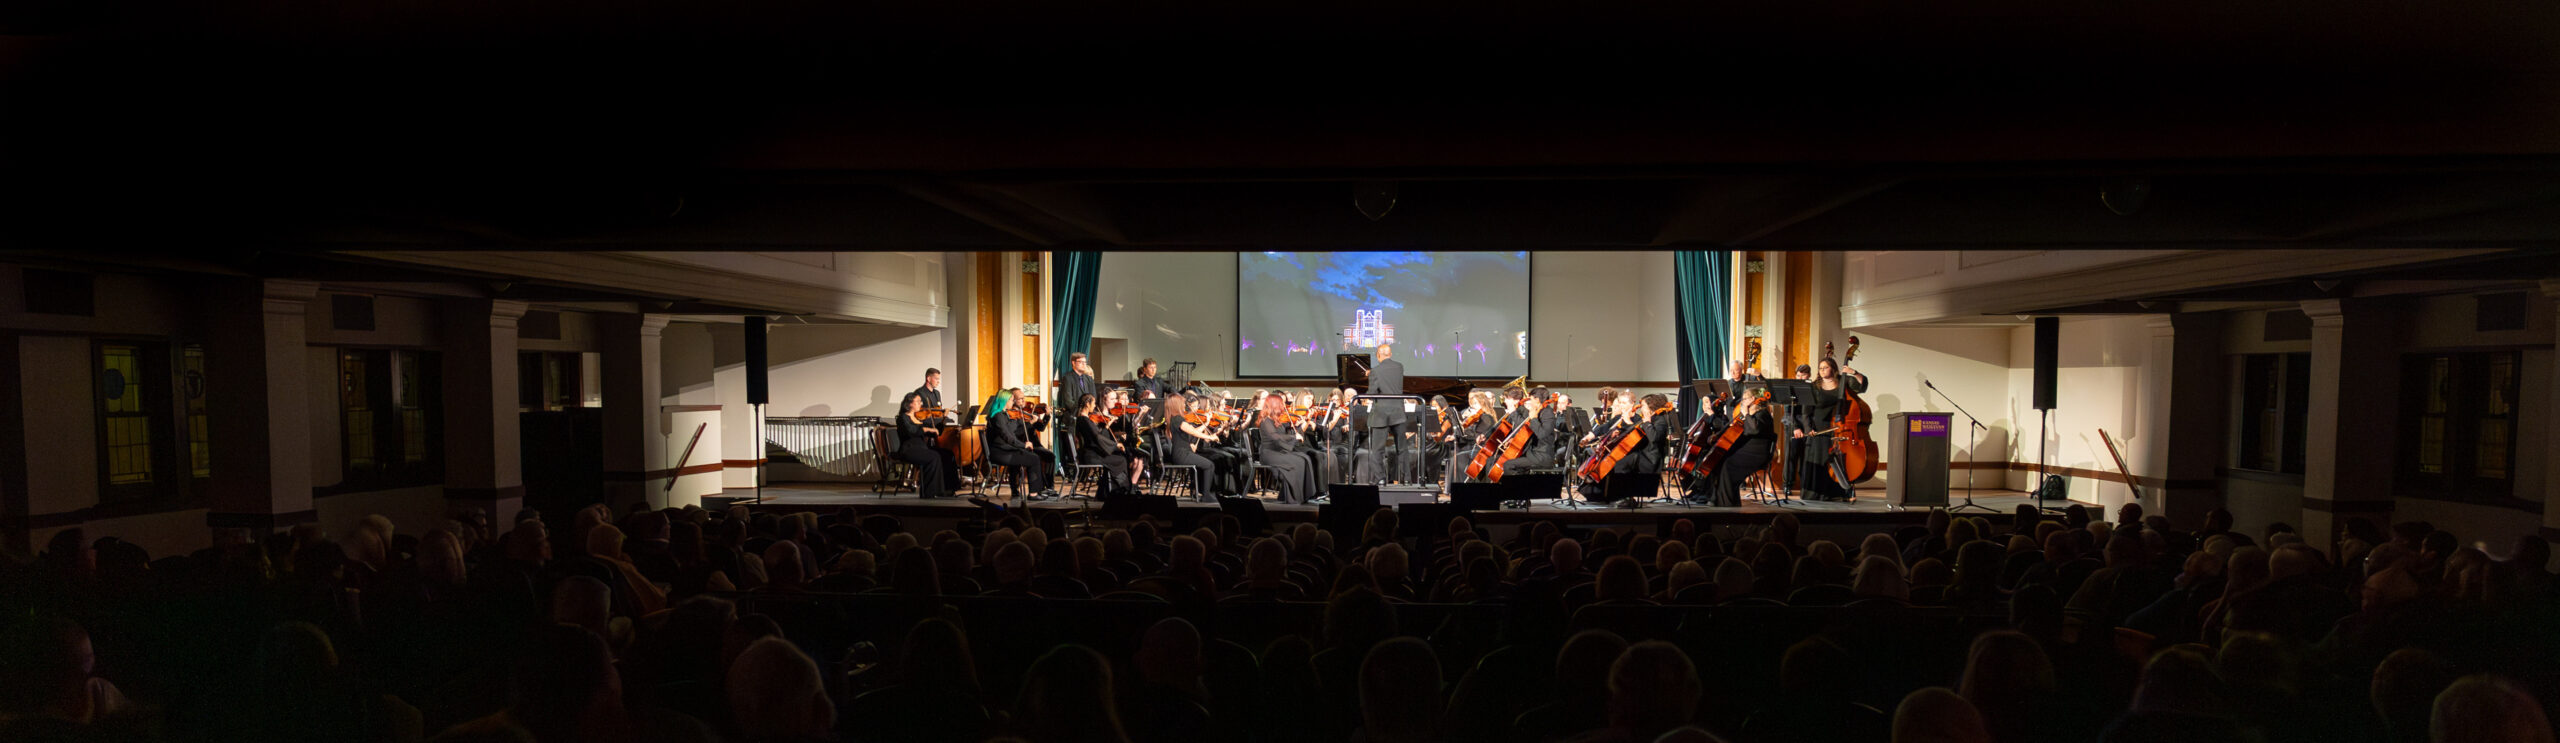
1869,511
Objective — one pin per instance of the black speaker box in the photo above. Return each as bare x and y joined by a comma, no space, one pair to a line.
756,390
1250,518
2048,361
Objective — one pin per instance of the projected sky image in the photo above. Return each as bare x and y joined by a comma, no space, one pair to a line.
1446,313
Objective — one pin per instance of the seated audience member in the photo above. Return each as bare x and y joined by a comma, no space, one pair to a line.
1400,694
1653,688
2404,692
1170,701
1816,680
1581,696
2482,709
1937,715
776,694
1067,697
2005,677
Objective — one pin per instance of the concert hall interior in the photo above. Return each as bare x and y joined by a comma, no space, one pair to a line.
467,372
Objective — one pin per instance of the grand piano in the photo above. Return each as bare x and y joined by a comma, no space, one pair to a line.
1353,370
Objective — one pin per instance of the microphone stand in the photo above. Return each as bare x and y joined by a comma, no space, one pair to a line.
1973,438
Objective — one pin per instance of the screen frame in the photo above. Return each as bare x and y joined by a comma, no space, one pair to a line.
1235,273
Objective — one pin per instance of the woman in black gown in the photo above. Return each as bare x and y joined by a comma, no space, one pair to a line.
1279,449
936,473
1095,445
1831,388
1750,455
1180,441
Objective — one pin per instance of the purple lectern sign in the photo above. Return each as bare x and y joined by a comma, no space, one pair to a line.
1928,426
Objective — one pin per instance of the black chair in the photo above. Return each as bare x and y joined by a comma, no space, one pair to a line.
896,475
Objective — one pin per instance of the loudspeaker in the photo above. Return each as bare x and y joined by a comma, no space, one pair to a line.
1248,512
1347,511
1477,496
1163,507
2048,360
756,393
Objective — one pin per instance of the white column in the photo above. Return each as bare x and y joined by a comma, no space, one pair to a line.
483,442
635,458
257,366
2347,438
740,451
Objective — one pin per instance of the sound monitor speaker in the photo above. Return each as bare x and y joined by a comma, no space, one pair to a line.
2048,361
1347,511
756,392
1477,496
1248,512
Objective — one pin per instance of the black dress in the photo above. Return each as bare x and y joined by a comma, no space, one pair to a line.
1815,473
1178,451
1750,455
1279,450
936,472
1096,445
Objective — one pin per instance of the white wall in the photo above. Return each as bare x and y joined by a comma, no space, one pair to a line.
1601,316
838,370
1170,307
1971,366
685,369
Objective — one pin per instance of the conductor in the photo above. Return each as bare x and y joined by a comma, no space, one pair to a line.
1387,418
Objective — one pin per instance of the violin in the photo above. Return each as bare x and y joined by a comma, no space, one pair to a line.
931,413
1129,410
1033,404
1020,414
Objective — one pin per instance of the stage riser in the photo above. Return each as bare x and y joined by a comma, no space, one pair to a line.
1845,526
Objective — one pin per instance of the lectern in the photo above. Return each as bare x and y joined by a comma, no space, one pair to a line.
1916,456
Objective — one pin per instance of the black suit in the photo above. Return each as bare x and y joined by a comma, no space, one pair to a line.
1140,386
1071,391
1536,455
1009,444
1390,431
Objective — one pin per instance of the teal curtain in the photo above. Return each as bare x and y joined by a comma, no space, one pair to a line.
1075,278
1701,280
1075,281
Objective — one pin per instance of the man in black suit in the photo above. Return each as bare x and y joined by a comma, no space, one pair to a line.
1150,390
1390,432
1072,389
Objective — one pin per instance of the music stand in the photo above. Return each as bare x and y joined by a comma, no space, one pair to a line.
1788,392
1181,373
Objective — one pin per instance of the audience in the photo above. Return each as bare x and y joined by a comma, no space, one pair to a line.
685,625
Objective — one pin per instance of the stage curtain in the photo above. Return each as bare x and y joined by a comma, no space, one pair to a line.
1701,280
1075,279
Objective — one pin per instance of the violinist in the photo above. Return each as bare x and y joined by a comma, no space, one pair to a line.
1010,443
1128,420
1350,462
1750,455
1228,446
1096,445
1183,442
1439,423
937,473
1290,463
1831,387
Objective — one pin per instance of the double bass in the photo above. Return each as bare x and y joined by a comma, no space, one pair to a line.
1853,445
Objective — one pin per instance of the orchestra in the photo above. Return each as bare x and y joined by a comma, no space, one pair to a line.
1292,447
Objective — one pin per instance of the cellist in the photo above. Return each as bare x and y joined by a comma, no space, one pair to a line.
1473,423
1831,387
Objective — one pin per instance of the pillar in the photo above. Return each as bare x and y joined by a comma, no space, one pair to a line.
2188,345
2551,444
483,444
2348,441
635,458
259,402
741,452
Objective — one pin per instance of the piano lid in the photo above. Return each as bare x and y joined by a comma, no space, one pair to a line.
1352,369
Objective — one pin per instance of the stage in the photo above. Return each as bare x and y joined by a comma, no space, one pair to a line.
1868,513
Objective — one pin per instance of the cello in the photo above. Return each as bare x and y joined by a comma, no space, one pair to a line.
1702,434
1724,443
1490,445
1513,444
1627,437
1853,445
